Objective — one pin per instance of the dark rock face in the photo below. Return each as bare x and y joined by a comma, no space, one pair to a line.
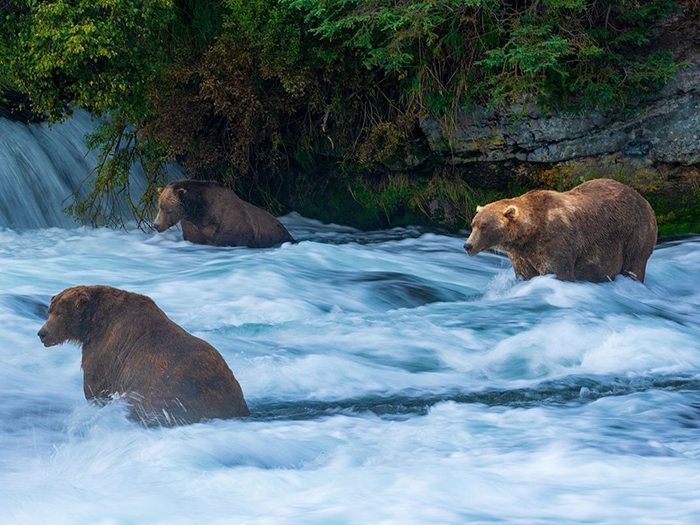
666,130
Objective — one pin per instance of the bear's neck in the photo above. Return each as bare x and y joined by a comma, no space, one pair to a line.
117,325
112,340
519,237
195,208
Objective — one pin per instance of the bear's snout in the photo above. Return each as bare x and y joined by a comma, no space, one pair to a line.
470,248
159,223
46,338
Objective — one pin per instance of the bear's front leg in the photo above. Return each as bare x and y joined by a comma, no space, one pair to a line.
562,267
564,270
522,267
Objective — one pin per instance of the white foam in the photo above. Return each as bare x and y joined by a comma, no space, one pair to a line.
354,340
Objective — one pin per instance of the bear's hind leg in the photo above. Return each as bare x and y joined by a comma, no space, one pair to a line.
635,269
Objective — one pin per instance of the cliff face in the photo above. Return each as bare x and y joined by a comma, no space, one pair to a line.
665,130
655,146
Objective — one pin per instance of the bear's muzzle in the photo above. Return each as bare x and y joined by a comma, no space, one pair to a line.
469,248
158,224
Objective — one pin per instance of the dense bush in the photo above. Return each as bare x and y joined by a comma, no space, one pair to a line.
251,92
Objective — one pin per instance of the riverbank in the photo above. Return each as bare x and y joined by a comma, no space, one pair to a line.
410,113
448,198
51,162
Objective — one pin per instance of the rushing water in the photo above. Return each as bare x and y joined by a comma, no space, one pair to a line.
390,378
42,165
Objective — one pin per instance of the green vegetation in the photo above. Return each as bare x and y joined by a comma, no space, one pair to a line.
683,217
288,99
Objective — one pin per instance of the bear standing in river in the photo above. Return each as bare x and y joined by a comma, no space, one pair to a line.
592,233
131,348
215,215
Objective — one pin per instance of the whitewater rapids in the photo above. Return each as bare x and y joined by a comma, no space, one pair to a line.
390,378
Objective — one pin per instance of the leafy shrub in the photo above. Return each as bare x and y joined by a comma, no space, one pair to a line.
249,92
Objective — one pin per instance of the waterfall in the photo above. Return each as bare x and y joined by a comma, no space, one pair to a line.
42,165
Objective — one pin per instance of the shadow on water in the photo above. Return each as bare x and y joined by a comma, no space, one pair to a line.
305,229
675,240
32,306
571,391
402,290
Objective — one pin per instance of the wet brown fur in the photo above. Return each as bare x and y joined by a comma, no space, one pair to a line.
131,348
594,232
213,214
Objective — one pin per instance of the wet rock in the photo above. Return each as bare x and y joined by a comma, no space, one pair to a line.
665,130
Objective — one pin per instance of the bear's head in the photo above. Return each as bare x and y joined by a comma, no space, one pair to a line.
171,207
494,224
68,313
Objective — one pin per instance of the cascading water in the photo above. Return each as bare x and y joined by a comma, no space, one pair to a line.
390,377
42,165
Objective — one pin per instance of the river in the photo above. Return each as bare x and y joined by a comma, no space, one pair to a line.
390,378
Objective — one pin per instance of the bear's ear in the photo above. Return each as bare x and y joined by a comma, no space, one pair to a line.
479,208
181,192
53,299
160,189
511,212
81,298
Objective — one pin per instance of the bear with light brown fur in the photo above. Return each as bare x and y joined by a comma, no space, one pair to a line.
594,232
213,214
130,348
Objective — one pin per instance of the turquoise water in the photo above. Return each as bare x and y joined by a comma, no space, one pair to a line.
390,378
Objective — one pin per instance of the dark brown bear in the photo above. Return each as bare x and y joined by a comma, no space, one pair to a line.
212,214
131,348
592,233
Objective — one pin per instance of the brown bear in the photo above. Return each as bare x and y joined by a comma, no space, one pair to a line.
131,349
213,214
594,232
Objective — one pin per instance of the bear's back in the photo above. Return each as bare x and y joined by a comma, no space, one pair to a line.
167,375
614,207
231,221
